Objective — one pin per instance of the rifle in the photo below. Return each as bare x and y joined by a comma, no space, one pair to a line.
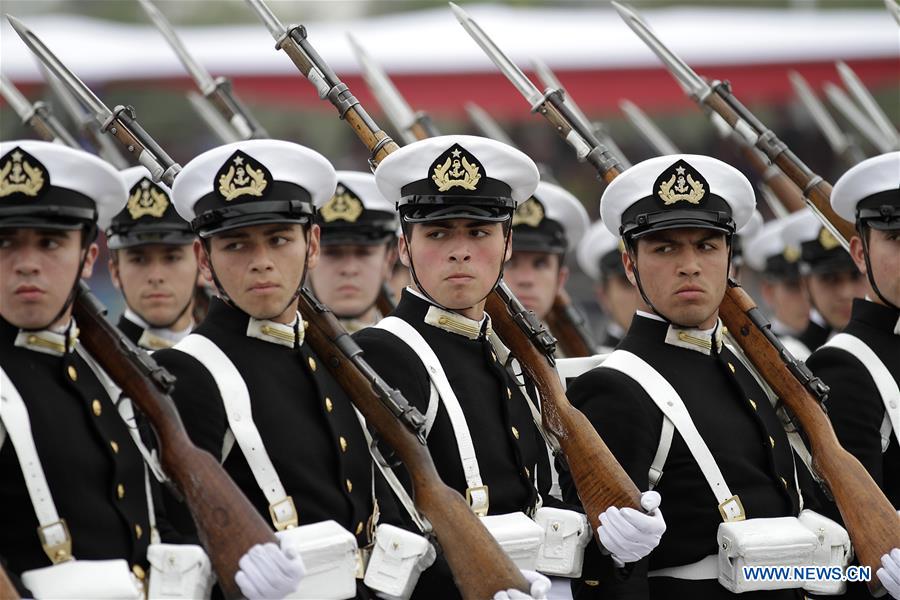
120,122
570,327
385,300
37,115
217,91
469,548
228,525
518,327
871,521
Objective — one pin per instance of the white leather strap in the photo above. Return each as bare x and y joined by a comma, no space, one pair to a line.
670,403
14,414
662,452
477,494
705,568
236,400
884,381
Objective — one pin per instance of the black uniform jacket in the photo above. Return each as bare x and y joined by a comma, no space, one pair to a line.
739,426
132,330
93,468
509,448
815,335
306,421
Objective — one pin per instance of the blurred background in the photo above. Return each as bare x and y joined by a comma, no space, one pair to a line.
114,48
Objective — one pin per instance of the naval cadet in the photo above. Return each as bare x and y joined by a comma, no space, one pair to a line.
778,266
830,279
456,196
358,250
249,389
677,408
860,364
599,255
152,262
74,482
545,228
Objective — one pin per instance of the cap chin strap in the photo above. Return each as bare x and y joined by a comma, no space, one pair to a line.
223,295
412,269
630,248
869,274
89,233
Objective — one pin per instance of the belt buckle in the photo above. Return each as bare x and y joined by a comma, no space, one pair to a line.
282,506
478,499
732,509
58,550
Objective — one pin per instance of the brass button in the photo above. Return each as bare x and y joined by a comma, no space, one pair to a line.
591,582
784,481
343,441
527,472
73,374
731,366
114,446
515,432
329,406
305,324
120,491
32,339
312,363
359,528
138,531
752,403
349,485
772,441
138,572
96,407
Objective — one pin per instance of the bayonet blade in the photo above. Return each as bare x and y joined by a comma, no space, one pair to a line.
269,19
894,8
855,86
70,104
213,118
398,111
200,75
647,128
827,125
17,101
486,124
506,66
692,83
69,79
860,121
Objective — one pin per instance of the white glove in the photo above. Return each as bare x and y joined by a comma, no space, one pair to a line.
540,587
630,535
269,572
889,573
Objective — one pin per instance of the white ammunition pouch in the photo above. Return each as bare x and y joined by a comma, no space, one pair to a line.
329,553
179,571
100,579
398,559
566,533
519,536
809,540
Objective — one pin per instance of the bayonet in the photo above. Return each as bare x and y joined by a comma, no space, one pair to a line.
38,115
119,122
213,119
218,91
104,146
293,41
894,8
550,104
850,111
486,124
841,144
652,134
719,98
856,88
549,79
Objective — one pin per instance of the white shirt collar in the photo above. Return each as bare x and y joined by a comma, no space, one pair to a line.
817,318
49,341
615,330
690,338
157,338
284,334
453,321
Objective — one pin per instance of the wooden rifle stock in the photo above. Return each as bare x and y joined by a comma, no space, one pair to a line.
7,589
872,522
785,190
228,525
599,478
480,567
569,327
385,300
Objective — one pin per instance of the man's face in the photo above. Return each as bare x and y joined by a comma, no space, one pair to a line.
260,266
832,294
457,261
684,274
884,256
348,278
618,299
535,278
786,300
38,268
157,281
